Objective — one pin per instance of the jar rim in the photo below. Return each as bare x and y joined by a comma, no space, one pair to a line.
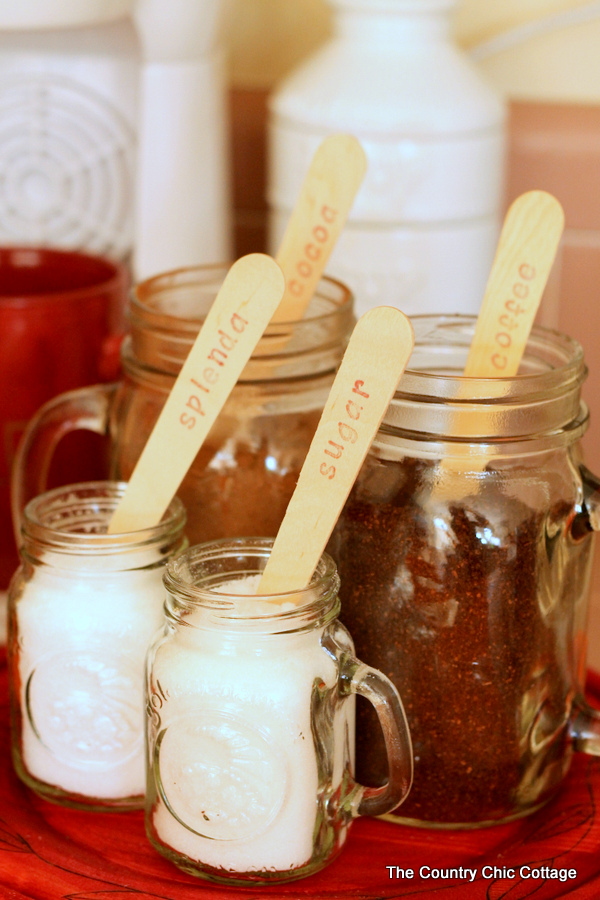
208,275
434,399
74,518
567,365
226,559
166,313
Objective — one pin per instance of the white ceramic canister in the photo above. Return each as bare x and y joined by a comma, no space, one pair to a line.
423,229
83,607
68,107
113,134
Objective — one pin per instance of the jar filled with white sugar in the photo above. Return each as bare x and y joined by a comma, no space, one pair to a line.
250,705
83,608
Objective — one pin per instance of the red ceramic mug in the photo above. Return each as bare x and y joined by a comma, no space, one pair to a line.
61,316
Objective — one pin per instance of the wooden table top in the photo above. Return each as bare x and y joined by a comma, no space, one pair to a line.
48,852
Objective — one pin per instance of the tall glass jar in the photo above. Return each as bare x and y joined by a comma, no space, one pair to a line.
83,608
244,475
469,530
251,721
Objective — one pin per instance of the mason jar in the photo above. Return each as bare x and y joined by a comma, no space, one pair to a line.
251,721
469,530
245,472
83,607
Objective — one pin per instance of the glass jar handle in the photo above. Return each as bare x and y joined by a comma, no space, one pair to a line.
358,678
86,408
584,726
589,518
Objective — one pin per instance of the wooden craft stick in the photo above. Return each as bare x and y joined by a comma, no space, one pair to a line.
528,243
373,363
530,236
335,174
236,320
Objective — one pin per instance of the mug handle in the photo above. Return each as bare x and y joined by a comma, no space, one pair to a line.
358,678
86,408
584,724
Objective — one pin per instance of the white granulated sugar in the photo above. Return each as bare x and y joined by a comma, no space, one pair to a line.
237,760
245,586
83,638
248,586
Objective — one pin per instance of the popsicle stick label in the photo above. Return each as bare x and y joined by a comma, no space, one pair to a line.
346,431
530,236
236,320
515,314
528,242
373,363
335,174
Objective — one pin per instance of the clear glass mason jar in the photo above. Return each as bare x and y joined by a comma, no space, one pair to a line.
251,722
469,529
241,481
83,608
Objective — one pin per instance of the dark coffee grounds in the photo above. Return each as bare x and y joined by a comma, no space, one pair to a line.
468,607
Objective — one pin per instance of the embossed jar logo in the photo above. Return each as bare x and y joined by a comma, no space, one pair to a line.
86,708
219,776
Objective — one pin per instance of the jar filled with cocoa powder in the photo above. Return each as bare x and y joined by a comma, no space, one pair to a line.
244,474
464,552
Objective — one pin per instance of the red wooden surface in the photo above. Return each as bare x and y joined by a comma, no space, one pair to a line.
51,853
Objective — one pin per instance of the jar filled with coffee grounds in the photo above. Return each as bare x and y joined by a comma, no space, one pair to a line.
464,552
244,474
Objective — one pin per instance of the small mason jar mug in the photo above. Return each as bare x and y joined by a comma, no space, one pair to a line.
83,608
469,529
250,704
246,470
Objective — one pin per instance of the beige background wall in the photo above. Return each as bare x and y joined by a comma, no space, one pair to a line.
266,38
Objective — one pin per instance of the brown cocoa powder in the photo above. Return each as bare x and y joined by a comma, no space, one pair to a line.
241,481
242,486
